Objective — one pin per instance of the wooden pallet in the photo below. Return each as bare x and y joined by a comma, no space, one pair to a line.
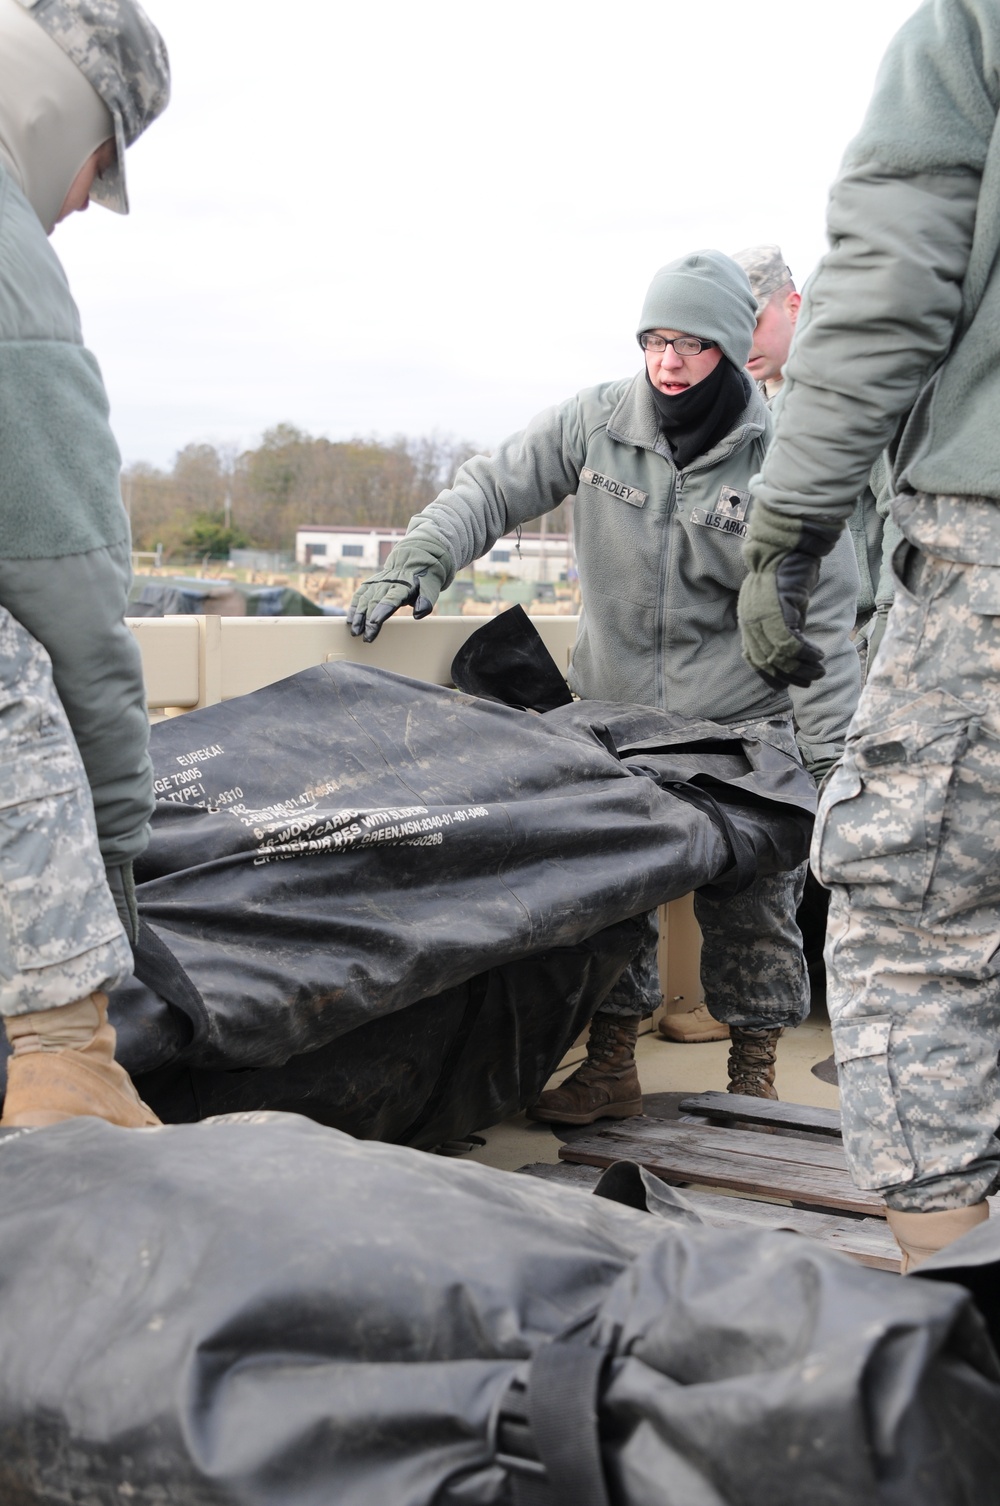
783,1167
734,1108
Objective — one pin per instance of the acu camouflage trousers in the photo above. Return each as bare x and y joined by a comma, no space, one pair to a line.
908,840
753,972
60,936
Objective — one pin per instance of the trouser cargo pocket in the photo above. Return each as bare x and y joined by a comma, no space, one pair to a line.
876,1148
880,817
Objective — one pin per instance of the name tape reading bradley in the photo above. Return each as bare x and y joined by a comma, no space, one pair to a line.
616,488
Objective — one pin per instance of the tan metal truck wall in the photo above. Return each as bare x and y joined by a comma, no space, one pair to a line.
680,956
197,661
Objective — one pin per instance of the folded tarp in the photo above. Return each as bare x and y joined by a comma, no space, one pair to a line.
273,1314
344,844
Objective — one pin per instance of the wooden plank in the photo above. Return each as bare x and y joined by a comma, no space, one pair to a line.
866,1240
564,1173
804,1171
664,1132
737,1106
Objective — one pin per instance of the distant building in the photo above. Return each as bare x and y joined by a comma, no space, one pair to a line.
357,549
259,559
353,551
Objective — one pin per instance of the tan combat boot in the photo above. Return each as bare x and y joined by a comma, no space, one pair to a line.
921,1235
605,1086
751,1062
692,1026
64,1067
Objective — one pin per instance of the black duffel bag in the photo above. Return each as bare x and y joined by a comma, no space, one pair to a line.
270,1313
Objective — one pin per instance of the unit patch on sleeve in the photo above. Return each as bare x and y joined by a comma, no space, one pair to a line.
728,515
630,494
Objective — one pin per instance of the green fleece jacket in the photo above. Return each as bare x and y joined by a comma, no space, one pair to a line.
65,553
659,557
897,341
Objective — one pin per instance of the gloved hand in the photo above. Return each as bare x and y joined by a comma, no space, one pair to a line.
783,555
121,882
412,576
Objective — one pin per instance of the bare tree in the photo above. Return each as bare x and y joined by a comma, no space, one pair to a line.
289,479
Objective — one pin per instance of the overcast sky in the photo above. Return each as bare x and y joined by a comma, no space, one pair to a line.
395,218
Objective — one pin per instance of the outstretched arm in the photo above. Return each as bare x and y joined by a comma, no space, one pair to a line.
529,474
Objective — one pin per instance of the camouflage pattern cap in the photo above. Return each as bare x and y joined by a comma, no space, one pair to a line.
122,55
767,270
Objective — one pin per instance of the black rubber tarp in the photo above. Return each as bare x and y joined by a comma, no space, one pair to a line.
274,1314
347,846
432,1071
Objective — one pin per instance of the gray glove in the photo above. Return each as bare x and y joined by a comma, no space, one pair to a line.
783,557
121,882
413,576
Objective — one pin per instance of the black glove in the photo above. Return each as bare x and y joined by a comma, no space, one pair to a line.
413,576
784,556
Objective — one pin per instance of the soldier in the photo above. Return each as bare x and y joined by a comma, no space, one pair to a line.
778,306
79,81
898,341
660,464
777,309
873,533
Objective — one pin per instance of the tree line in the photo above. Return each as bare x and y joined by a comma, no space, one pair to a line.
215,498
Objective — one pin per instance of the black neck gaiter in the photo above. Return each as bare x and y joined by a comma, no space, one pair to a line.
695,420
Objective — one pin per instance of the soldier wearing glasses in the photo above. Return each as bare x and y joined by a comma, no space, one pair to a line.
660,463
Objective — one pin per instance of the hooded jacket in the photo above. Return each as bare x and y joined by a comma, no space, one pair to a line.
897,340
65,552
659,553
51,116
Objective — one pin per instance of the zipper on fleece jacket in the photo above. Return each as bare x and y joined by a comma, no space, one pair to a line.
671,514
659,622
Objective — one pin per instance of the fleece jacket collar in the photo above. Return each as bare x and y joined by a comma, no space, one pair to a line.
635,422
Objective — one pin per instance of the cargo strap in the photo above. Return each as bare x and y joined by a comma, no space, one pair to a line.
546,1433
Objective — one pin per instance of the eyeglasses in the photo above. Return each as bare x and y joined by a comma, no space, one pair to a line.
684,345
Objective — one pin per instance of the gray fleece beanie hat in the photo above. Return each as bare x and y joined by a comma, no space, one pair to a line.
705,294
